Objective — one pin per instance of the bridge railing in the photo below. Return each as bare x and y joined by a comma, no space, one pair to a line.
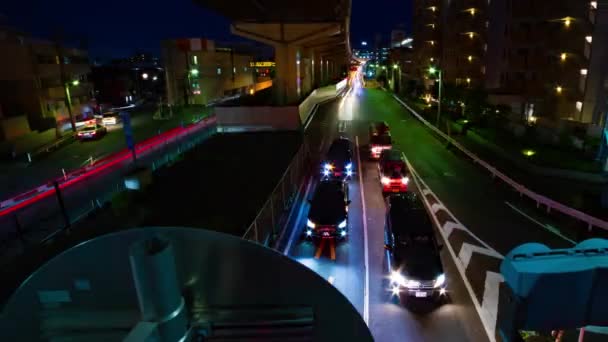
549,204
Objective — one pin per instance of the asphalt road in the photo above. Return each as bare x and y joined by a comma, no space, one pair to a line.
357,267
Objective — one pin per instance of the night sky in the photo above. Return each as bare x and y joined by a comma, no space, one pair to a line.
117,28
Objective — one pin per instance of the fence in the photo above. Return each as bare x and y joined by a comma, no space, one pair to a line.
42,221
550,204
265,227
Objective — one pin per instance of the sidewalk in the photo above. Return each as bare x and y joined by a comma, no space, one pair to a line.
581,195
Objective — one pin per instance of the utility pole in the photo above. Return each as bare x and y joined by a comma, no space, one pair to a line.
64,81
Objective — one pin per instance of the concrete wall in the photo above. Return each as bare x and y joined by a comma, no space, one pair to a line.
257,118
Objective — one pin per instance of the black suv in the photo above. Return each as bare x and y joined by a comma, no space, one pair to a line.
414,262
338,163
328,215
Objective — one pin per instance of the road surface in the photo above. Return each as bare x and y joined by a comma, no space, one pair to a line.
359,268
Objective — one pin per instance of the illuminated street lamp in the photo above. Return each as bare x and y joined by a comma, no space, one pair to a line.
559,89
75,82
194,72
154,78
68,101
433,71
144,76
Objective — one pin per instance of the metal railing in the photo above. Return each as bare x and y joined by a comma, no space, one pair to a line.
265,228
550,204
31,156
42,221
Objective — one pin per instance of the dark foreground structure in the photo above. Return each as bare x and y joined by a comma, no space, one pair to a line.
177,284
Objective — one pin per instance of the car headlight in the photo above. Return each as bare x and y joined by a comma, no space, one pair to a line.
405,180
385,180
325,172
397,278
310,224
440,280
349,166
342,224
328,166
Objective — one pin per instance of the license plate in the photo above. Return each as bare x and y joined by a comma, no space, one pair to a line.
395,190
325,233
421,294
337,174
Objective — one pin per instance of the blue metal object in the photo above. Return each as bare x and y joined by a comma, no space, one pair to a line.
127,129
547,289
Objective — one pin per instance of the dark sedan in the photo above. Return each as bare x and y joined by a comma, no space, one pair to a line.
328,214
338,163
414,263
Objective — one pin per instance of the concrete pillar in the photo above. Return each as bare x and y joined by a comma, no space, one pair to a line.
158,290
287,70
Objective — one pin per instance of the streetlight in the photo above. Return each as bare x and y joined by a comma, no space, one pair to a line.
194,72
68,101
396,67
144,76
154,78
433,71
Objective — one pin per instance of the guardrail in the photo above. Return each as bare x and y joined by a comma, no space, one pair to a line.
550,204
33,219
264,228
50,147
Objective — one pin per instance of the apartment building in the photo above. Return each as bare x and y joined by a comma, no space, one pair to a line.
427,27
544,58
549,57
198,72
31,80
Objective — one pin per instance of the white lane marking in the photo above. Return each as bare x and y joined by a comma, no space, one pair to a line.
295,227
466,251
547,227
449,227
490,298
436,207
331,280
365,246
485,316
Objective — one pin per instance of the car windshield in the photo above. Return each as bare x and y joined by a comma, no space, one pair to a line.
89,128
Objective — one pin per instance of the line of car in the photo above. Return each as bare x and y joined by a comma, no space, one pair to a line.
414,267
96,128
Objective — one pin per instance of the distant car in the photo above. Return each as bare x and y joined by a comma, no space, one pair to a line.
413,253
379,143
378,128
328,214
110,118
92,132
338,162
393,172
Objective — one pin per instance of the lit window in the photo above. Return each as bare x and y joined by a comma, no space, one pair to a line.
433,8
563,56
579,105
234,70
559,89
468,80
589,39
219,70
432,59
593,4
583,71
470,58
195,60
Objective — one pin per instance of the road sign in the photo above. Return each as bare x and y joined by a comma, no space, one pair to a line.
128,130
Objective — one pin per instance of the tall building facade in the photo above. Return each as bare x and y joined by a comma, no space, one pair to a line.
550,57
198,72
427,26
544,58
34,75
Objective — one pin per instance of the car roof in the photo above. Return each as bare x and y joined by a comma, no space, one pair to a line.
392,155
339,148
408,215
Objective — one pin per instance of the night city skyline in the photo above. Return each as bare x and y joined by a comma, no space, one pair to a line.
118,29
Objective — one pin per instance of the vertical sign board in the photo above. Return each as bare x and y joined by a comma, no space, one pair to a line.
128,130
